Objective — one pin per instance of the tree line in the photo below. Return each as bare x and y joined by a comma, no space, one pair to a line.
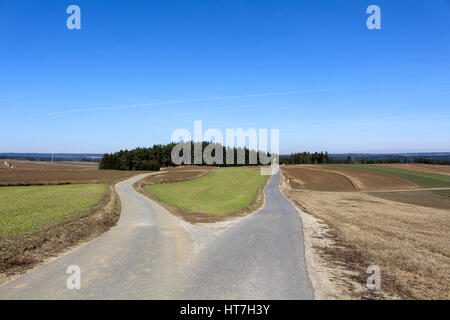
430,161
306,158
153,158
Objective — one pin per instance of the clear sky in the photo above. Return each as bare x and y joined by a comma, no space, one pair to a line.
137,70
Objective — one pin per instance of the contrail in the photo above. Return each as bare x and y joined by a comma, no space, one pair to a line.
152,104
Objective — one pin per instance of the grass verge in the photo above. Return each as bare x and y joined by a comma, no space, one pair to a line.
221,193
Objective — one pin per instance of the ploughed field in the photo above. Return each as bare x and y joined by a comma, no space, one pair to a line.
219,194
383,221
315,178
327,178
26,173
419,178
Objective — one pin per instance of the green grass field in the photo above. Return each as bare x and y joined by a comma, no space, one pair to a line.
423,179
24,209
222,191
444,192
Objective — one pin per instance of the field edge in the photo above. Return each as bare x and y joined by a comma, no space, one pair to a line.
22,253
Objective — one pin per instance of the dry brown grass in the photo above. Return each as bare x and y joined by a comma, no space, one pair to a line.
411,244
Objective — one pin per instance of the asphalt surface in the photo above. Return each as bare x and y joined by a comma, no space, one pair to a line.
152,254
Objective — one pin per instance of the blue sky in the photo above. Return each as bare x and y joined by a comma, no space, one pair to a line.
137,70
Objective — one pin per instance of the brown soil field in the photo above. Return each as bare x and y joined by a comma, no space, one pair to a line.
366,180
420,198
40,165
442,169
308,177
409,243
41,173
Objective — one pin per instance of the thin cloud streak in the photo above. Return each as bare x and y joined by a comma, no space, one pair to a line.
131,106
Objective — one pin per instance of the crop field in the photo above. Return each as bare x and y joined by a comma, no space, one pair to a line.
26,173
24,209
420,198
369,181
331,178
221,193
313,178
441,169
46,208
41,165
406,233
422,179
444,192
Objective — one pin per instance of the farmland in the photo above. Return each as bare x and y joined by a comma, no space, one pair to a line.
46,208
221,193
405,232
310,178
26,173
176,174
441,169
25,209
420,178
420,198
334,178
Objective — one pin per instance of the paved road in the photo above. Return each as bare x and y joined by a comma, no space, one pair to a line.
151,254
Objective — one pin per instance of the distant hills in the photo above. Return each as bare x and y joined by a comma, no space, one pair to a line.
442,156
96,157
